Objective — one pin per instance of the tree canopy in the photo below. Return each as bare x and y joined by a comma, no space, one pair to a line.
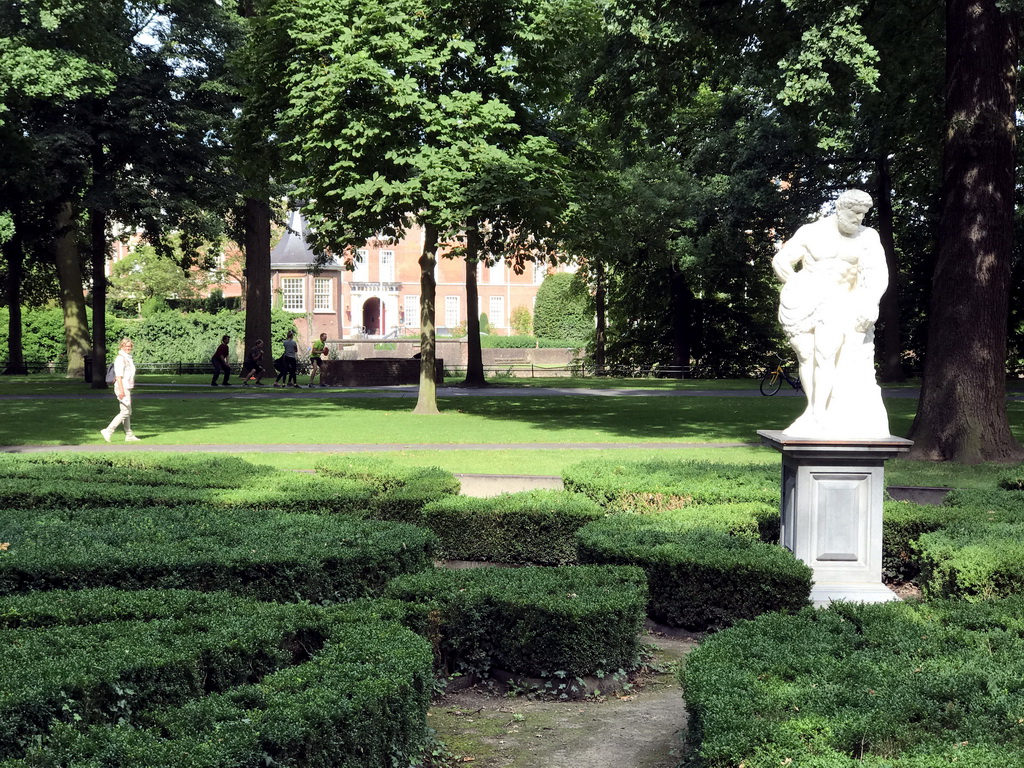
666,147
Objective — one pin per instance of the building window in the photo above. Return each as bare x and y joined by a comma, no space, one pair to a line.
496,315
387,266
540,271
411,311
362,267
497,272
322,295
451,311
292,294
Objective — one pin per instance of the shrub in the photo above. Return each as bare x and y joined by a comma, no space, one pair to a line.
521,320
390,495
526,342
699,578
537,527
899,685
972,562
563,309
131,469
166,336
267,555
659,485
548,622
902,524
126,683
397,493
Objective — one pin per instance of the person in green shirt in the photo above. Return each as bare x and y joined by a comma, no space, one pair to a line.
317,354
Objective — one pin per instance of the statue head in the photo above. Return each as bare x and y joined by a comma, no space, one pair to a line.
851,207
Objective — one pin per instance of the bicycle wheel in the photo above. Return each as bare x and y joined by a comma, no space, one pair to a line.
770,383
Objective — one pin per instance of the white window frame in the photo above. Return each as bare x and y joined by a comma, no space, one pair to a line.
293,294
540,271
496,313
361,273
386,260
411,307
452,311
323,294
497,272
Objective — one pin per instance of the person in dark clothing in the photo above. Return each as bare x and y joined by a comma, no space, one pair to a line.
253,364
290,363
219,361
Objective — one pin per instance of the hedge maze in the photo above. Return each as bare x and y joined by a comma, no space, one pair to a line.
202,611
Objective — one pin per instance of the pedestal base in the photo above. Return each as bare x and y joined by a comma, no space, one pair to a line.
832,493
823,595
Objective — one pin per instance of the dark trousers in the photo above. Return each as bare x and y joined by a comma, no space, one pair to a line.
219,367
287,371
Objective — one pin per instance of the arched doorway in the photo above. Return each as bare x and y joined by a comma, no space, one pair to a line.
373,316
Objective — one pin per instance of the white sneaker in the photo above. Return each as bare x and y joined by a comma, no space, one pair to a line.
106,434
131,439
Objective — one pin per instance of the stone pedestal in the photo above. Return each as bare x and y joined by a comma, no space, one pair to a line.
832,492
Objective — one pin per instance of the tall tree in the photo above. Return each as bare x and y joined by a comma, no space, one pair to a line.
962,412
394,109
255,160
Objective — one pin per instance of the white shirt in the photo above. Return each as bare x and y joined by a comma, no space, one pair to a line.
124,369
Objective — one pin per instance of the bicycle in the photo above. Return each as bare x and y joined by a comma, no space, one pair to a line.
771,382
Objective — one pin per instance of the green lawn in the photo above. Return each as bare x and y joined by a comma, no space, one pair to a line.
56,411
233,416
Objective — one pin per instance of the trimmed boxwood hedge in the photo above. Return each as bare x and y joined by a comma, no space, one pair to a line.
398,493
179,678
535,527
131,469
365,488
899,685
699,578
659,485
268,555
972,562
903,523
549,622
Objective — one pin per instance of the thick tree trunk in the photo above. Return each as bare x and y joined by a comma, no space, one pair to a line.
426,401
14,250
475,359
600,307
257,273
889,308
72,297
681,307
98,237
961,415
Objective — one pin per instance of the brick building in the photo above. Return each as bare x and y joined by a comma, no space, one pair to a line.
380,295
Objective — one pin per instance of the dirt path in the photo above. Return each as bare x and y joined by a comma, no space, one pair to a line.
638,728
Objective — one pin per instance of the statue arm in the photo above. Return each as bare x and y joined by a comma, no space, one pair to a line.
789,255
872,279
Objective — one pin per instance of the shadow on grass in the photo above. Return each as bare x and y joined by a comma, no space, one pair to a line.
294,418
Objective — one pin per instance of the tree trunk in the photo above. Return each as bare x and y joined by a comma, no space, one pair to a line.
257,273
98,237
889,308
602,321
961,415
475,359
72,298
426,401
14,249
681,307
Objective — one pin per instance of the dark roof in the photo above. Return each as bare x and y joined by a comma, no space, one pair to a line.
292,250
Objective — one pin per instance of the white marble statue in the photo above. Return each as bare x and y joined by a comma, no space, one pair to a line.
828,310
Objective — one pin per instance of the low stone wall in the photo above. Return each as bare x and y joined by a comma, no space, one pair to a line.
376,372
